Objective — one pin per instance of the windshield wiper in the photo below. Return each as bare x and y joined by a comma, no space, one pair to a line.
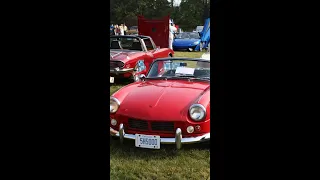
162,77
192,77
205,78
184,75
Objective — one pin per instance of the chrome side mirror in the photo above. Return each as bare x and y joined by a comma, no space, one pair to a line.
142,77
139,77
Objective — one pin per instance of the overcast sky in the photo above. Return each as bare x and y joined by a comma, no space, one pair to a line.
176,2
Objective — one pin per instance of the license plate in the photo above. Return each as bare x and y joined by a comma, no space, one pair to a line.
111,79
147,141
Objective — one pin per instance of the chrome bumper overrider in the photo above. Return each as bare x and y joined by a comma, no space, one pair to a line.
178,140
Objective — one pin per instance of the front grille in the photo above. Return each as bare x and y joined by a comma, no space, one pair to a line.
155,126
138,124
115,64
162,126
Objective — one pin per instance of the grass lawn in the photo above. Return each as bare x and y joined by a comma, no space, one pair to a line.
129,162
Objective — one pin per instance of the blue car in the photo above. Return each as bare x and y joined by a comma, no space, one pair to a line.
186,40
205,36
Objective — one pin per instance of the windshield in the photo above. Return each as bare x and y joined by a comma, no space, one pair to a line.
199,28
180,69
188,36
125,43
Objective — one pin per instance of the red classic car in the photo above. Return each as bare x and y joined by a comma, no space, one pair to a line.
171,105
131,56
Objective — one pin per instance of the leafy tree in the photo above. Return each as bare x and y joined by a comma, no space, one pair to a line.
188,15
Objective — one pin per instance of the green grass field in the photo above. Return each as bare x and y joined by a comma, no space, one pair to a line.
129,162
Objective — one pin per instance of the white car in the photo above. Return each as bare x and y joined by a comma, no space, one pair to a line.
199,28
207,54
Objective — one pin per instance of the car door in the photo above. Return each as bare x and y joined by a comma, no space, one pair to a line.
157,52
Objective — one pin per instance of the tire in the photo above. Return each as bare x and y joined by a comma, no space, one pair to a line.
115,138
131,79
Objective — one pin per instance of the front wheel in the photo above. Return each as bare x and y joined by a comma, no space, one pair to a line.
133,78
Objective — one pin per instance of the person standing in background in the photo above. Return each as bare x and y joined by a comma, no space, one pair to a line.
172,30
121,30
125,29
116,28
111,29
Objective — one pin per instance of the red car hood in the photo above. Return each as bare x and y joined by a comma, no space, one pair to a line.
161,100
124,56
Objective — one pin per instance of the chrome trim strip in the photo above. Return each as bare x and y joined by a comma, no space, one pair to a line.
114,54
121,71
115,99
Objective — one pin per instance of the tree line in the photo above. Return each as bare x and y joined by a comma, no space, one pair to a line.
188,15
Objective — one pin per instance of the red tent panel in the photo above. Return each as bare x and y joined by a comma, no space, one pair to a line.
157,29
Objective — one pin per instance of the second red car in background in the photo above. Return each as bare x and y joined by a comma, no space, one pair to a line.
131,56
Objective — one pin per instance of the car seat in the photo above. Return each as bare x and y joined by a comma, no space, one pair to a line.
115,45
136,46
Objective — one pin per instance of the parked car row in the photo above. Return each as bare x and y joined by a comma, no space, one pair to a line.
133,30
193,41
169,100
187,41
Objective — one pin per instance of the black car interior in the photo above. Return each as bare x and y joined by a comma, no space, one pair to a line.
197,73
115,45
136,46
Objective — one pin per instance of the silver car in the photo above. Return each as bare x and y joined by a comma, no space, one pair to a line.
207,54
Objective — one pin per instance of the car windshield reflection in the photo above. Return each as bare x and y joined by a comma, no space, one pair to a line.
179,68
187,35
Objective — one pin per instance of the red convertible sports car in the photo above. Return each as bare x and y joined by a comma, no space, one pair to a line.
131,56
171,105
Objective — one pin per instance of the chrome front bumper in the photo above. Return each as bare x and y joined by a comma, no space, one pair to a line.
178,140
121,71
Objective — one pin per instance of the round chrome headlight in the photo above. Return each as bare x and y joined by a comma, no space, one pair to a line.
114,105
197,112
